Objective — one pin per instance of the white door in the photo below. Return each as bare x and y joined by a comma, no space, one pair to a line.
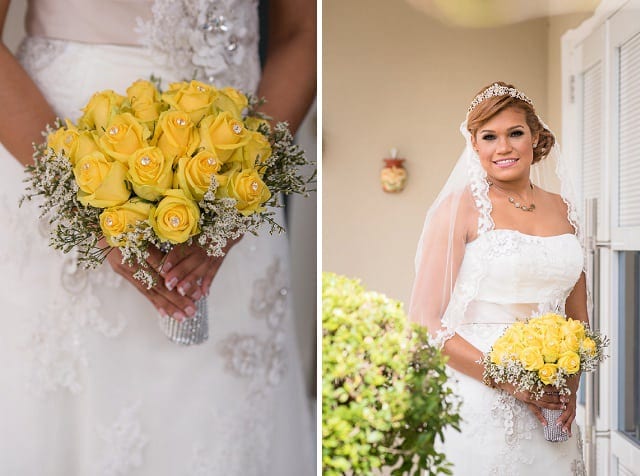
601,127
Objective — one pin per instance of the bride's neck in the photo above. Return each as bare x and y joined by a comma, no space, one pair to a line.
521,187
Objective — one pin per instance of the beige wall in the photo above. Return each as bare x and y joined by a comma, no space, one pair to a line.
394,77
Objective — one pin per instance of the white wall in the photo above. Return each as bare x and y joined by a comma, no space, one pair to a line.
395,77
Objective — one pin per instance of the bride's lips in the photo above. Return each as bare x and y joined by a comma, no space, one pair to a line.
505,163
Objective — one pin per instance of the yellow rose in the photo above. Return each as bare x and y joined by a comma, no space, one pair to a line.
258,150
101,181
117,220
551,345
548,373
573,326
498,353
194,174
248,189
175,218
194,98
125,134
233,101
512,337
551,317
569,362
150,173
531,358
588,345
569,343
100,110
223,134
532,337
62,139
253,123
145,100
175,135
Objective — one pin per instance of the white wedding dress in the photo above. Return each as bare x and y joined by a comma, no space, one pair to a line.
89,385
517,276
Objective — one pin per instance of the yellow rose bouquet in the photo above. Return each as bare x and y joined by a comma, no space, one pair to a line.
151,168
545,350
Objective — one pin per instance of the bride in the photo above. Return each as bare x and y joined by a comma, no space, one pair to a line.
497,246
89,384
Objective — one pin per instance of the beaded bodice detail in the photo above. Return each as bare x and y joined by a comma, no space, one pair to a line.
215,41
506,268
524,268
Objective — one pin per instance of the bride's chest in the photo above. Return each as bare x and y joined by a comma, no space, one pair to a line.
514,265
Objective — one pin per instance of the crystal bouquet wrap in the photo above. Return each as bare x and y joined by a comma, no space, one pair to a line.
193,164
545,350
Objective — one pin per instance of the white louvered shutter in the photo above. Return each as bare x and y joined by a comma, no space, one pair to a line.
592,131
629,139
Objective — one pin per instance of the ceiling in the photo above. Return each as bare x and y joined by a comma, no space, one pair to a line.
492,13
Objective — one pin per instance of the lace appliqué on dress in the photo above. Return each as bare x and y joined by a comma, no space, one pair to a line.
210,40
578,467
249,355
124,443
249,423
36,53
518,423
57,343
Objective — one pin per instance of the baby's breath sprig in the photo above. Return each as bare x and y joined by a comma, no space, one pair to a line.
283,167
75,226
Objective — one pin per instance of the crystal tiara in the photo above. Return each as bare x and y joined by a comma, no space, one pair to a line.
496,90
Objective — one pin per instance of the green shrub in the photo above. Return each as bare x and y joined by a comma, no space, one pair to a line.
384,393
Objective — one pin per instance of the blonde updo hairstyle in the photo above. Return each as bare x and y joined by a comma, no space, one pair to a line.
489,107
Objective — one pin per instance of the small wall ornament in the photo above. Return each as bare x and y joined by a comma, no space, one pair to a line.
393,175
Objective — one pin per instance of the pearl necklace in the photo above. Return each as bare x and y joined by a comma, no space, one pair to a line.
513,201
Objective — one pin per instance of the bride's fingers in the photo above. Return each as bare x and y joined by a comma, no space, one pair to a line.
165,301
171,304
181,276
174,257
566,418
155,258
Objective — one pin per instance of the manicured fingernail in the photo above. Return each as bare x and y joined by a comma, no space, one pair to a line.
197,294
178,316
190,311
163,313
183,289
165,268
171,283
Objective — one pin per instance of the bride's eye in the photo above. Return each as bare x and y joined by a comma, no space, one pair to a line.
488,137
517,133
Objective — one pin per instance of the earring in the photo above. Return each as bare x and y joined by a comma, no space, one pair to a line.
535,144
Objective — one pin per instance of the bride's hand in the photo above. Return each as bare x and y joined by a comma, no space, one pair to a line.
165,301
551,399
569,413
188,269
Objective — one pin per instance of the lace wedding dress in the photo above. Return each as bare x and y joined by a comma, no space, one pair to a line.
522,275
89,384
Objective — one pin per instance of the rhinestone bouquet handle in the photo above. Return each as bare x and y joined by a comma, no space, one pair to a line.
191,330
553,431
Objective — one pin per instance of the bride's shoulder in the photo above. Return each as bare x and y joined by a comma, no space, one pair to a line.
550,198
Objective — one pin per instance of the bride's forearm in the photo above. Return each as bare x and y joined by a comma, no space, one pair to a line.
25,112
289,77
464,357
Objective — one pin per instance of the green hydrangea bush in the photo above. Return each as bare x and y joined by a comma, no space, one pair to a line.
385,400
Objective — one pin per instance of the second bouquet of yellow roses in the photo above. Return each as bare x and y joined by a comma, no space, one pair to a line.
543,351
153,168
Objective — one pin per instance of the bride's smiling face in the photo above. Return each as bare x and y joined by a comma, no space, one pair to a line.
505,145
